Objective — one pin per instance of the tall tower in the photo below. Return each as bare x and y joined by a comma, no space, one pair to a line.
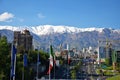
23,39
67,47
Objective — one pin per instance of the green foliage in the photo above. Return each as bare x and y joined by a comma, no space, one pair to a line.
109,68
73,74
5,61
29,73
75,69
118,67
4,46
44,55
61,61
32,56
114,78
4,58
107,61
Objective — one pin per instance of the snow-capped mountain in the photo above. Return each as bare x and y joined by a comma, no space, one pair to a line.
76,37
50,29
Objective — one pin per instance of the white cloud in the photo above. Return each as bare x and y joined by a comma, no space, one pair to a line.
6,17
40,15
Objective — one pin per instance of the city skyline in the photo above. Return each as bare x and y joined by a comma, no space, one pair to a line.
78,13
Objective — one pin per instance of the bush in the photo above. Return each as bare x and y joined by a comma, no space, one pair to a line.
73,74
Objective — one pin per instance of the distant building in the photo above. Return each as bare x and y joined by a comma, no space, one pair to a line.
118,56
23,39
64,54
0,35
57,54
103,53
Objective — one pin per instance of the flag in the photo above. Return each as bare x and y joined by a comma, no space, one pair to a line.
25,60
50,64
51,51
13,61
50,60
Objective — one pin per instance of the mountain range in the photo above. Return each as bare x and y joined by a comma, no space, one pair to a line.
79,38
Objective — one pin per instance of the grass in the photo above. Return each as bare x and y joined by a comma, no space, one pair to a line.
114,78
107,72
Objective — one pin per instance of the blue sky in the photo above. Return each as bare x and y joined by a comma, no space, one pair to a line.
77,13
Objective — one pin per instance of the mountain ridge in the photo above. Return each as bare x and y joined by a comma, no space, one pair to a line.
50,29
80,39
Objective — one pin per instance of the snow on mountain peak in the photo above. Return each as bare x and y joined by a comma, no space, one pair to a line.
49,29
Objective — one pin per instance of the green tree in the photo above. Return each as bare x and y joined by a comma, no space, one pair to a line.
107,61
4,58
5,61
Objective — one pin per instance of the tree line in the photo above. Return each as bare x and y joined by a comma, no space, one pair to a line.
29,72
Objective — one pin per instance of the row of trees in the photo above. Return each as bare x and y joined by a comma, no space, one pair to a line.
4,58
5,61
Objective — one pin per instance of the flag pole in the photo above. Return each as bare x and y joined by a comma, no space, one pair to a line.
23,69
14,68
49,67
49,57
50,61
54,66
11,61
49,64
23,73
67,59
37,63
50,72
15,63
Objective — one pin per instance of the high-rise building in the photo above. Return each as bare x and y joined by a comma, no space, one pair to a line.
0,35
23,39
118,56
